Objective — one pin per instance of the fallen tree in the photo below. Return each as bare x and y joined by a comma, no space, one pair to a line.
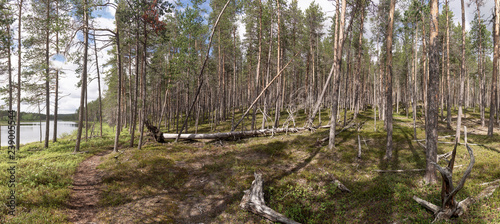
253,201
234,134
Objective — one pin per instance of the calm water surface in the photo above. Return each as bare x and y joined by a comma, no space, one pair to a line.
30,131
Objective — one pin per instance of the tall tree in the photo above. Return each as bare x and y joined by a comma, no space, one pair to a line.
47,76
388,113
448,81
338,46
119,71
462,77
19,44
85,30
432,97
493,97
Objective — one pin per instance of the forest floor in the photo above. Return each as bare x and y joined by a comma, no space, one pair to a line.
203,181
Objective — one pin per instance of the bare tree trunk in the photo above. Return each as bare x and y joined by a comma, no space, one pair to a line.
336,63
388,113
136,90
482,93
98,84
358,72
448,93
56,97
9,64
143,96
119,94
47,79
18,113
462,78
84,77
496,39
432,98
415,92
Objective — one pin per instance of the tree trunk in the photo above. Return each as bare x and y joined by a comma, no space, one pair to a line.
388,113
462,78
336,80
496,39
47,79
136,90
19,53
448,82
143,96
56,100
84,77
98,84
432,98
119,94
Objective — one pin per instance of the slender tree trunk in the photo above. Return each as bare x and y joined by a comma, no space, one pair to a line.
56,97
143,108
358,71
482,91
9,64
432,98
19,45
136,90
415,92
336,80
388,113
84,77
98,84
496,39
462,78
47,79
448,82
278,68
119,94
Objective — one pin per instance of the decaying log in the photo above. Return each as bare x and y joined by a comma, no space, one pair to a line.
253,201
234,134
398,171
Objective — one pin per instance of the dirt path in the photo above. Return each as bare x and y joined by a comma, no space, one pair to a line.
84,198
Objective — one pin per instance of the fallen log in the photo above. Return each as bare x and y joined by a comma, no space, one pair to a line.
253,201
234,134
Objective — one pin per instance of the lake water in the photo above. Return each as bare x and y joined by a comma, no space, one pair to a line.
30,131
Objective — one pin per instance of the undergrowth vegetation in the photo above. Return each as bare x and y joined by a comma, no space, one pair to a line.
203,181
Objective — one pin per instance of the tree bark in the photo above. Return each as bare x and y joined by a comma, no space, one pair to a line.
388,113
448,82
19,44
56,97
119,71
84,77
338,45
462,78
496,39
432,98
47,79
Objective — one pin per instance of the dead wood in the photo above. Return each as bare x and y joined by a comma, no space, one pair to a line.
154,131
253,201
234,134
341,186
398,171
449,206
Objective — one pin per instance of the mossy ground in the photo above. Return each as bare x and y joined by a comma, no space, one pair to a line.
203,181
